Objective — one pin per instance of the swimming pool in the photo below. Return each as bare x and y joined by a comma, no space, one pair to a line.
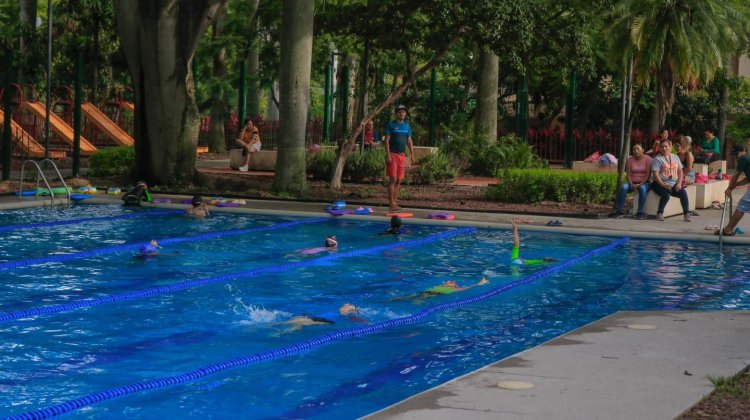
62,356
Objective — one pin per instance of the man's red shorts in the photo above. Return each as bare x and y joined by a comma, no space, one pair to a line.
397,168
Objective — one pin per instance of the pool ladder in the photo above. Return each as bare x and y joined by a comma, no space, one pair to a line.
727,206
40,174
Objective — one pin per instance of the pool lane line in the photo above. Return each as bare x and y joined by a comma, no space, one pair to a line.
171,381
168,241
12,228
190,284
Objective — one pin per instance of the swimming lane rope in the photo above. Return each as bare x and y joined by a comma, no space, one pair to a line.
185,285
12,228
211,369
168,241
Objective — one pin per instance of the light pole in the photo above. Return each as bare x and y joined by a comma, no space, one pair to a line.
48,95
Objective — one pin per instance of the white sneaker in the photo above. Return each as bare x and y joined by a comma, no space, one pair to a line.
243,168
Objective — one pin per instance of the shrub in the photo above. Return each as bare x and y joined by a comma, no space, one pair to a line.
485,159
366,165
320,164
435,167
534,185
112,161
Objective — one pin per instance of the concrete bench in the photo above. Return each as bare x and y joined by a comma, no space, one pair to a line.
263,160
673,206
711,167
582,166
705,194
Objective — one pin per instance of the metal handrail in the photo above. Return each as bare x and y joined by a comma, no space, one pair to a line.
39,173
727,200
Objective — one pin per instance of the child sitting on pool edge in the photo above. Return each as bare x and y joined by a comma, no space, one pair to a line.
199,209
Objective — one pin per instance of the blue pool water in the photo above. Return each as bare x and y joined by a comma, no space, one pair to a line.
51,359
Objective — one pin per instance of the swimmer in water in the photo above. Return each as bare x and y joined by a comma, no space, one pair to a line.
395,227
151,250
446,288
515,259
330,245
347,311
199,209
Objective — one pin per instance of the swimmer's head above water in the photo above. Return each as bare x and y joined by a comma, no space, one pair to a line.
331,242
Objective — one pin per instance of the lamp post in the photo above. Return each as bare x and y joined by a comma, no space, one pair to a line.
48,94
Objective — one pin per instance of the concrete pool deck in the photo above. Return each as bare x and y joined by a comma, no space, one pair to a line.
629,365
602,370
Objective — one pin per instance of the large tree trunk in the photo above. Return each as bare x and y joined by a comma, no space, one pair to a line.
665,90
294,80
159,38
345,144
485,119
216,137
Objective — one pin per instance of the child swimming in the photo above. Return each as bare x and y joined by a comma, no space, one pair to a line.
199,209
446,288
395,227
515,259
331,244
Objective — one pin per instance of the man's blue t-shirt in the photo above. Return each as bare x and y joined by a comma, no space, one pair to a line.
399,134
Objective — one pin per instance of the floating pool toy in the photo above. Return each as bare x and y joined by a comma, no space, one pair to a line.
399,214
334,212
161,200
79,197
739,230
114,190
442,216
56,191
26,193
227,204
363,210
339,205
88,189
186,201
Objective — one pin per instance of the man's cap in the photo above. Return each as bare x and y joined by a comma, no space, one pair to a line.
141,184
739,148
401,107
197,200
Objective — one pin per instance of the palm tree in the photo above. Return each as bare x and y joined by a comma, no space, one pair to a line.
676,41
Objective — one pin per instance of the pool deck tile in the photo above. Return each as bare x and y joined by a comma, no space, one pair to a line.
603,370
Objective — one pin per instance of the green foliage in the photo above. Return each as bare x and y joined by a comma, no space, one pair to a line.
435,167
535,185
485,159
112,161
739,131
320,164
366,165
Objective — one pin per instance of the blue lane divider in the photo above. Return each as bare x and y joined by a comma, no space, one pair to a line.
168,241
97,397
177,287
12,228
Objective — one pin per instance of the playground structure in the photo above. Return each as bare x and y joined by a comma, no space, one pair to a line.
98,128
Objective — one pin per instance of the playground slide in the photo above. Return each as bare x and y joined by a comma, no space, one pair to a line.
28,145
60,127
112,130
129,106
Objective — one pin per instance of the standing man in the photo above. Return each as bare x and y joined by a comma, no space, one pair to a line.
743,165
397,138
